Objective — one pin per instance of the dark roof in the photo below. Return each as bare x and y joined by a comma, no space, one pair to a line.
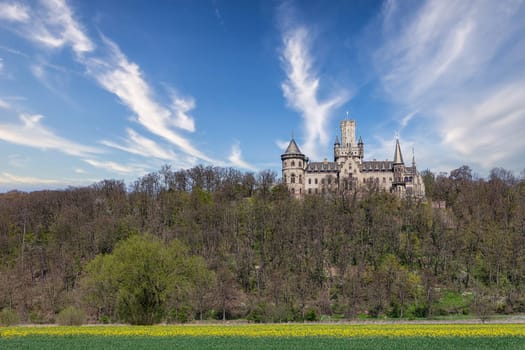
292,148
377,165
398,157
325,167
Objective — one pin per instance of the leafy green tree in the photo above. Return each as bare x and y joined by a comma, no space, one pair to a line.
142,278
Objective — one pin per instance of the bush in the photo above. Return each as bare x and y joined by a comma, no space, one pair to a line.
71,316
311,315
9,317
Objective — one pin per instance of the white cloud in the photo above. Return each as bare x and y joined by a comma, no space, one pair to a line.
4,104
301,89
236,158
180,107
115,167
14,12
457,65
142,146
56,27
124,79
13,180
32,133
282,144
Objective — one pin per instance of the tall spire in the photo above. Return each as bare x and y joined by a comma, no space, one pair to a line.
336,141
413,158
398,157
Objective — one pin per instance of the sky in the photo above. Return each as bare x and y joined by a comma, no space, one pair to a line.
93,90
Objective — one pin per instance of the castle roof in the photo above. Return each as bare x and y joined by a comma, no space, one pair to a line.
292,148
398,157
376,165
324,167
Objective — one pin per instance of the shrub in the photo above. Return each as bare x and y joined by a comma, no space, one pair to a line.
71,316
9,317
311,315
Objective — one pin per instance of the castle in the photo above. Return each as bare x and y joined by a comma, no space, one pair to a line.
349,171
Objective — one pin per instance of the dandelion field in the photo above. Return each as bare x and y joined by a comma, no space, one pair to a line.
271,336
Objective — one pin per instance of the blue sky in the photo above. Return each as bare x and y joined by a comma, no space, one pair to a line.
93,90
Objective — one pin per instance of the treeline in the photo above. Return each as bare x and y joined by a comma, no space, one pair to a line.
217,243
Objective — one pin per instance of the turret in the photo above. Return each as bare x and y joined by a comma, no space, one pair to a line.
293,166
399,169
337,147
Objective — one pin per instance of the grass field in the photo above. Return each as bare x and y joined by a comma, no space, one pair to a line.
293,336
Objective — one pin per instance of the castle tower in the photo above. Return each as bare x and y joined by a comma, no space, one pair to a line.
293,165
361,147
398,185
348,135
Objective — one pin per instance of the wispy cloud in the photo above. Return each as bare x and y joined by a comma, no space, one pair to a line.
53,25
302,85
4,104
10,179
56,27
115,167
32,133
14,12
236,158
123,78
457,64
140,145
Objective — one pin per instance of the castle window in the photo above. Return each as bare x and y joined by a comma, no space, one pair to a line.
293,163
284,177
384,179
329,180
316,181
390,179
316,191
293,178
309,191
309,181
322,181
300,179
300,163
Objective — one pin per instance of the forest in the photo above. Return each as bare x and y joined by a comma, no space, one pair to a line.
211,243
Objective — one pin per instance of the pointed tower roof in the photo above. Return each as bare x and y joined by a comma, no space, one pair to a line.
292,151
360,141
292,148
336,140
398,157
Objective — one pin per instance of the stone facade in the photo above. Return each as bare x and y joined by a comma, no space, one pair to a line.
349,171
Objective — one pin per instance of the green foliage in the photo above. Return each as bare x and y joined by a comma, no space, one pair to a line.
143,277
270,256
9,317
71,316
452,303
311,315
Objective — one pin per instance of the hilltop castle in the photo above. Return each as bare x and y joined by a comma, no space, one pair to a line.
349,171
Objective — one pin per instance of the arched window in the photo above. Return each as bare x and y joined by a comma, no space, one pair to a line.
300,163
293,178
293,163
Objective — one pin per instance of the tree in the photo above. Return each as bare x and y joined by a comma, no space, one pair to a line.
141,278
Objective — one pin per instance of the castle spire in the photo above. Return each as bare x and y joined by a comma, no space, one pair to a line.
398,157
413,158
336,140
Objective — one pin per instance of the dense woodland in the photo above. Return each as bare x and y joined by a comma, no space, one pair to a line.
215,243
